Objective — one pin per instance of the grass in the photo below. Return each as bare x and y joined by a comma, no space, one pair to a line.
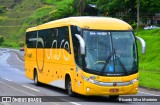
149,63
12,21
29,13
58,2
149,79
6,3
42,12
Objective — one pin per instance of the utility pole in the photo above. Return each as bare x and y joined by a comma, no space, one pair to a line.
81,7
138,4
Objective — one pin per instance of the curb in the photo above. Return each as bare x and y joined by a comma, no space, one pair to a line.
151,89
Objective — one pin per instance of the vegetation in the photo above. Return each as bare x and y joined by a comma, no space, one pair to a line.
1,39
150,61
17,15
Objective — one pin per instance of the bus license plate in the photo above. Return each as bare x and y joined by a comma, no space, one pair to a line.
114,90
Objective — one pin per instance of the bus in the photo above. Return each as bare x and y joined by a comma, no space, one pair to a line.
85,55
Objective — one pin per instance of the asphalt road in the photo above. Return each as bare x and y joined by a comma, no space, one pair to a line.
14,83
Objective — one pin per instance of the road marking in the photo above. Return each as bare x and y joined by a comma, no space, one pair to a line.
7,79
17,89
18,58
30,88
148,93
71,102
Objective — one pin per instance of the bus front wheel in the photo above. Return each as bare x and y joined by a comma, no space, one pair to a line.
36,82
69,88
114,97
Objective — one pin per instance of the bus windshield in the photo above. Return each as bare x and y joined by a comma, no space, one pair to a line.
110,53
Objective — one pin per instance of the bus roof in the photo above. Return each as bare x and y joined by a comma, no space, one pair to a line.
86,22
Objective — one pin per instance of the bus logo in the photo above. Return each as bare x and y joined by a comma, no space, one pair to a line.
114,84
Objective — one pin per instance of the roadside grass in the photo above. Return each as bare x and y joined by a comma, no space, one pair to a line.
149,79
149,63
30,13
151,59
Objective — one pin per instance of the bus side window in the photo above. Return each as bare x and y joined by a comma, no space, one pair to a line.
63,38
49,38
31,35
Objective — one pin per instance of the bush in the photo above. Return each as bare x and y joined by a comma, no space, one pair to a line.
1,39
134,25
21,44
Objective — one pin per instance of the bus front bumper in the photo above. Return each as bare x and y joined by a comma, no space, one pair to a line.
95,89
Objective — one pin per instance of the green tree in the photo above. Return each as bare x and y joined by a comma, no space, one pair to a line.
80,5
103,6
2,9
148,8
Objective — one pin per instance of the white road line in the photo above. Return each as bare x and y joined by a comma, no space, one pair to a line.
18,58
7,79
30,88
71,102
17,89
148,93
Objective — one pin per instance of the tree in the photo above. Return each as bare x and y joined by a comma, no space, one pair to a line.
80,5
103,6
149,8
2,9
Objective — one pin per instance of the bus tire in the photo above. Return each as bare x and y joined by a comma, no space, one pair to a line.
113,97
36,82
69,87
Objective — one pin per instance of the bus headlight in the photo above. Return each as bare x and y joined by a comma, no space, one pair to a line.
134,80
90,80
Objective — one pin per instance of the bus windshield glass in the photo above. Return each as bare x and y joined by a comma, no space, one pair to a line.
110,53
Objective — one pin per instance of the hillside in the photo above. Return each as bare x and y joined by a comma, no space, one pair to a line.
149,63
17,15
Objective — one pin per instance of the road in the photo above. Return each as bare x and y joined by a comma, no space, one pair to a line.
14,83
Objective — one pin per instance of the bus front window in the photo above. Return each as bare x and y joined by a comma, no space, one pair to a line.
110,53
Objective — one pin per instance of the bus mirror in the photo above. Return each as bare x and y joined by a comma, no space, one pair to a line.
82,44
143,44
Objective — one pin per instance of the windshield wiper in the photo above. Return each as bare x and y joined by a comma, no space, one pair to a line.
116,57
107,61
121,64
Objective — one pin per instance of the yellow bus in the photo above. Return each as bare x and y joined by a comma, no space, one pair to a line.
84,55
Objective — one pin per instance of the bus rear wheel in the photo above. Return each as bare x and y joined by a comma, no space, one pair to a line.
36,82
69,88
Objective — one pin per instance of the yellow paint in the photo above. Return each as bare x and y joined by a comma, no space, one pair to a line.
56,69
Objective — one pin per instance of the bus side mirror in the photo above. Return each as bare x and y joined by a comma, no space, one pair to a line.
82,44
143,44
